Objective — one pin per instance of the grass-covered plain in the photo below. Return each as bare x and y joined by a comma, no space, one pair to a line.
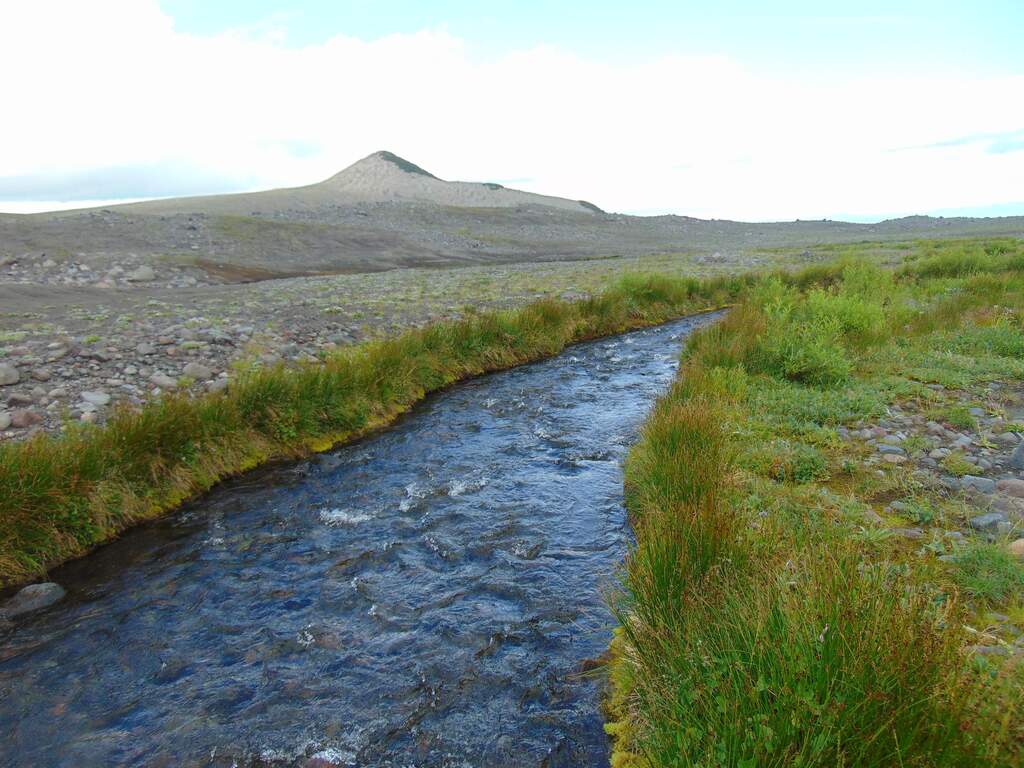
764,620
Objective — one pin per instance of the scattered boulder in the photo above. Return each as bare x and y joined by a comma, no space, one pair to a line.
143,274
163,381
96,398
8,374
197,371
1012,487
980,484
1017,548
5,420
1017,457
32,598
19,400
988,521
22,418
909,533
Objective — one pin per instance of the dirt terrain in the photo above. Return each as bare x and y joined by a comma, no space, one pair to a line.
112,305
385,212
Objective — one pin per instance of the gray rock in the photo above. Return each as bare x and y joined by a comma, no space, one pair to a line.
19,400
197,371
891,450
217,385
1017,457
1012,487
145,349
32,598
22,418
163,381
143,274
5,420
909,533
988,521
949,483
980,484
8,374
96,398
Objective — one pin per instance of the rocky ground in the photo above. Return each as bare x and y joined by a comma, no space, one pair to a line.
967,467
384,212
79,338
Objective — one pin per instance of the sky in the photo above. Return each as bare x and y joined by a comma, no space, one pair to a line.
735,109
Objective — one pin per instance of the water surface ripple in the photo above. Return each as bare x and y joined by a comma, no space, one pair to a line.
427,597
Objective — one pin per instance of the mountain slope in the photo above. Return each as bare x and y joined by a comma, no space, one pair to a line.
378,178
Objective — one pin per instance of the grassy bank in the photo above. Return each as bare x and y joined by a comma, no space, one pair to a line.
61,496
772,613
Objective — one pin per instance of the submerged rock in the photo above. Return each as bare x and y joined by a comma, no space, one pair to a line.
32,598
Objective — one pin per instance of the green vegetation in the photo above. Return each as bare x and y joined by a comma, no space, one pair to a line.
988,572
60,496
764,619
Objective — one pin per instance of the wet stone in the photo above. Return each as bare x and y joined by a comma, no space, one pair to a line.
32,598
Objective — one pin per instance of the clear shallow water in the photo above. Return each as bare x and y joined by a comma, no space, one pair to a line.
427,597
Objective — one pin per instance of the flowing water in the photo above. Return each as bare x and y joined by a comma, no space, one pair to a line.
431,596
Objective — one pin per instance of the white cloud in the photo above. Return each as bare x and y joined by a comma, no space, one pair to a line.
111,84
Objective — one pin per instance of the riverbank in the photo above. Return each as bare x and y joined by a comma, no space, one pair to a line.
76,345
828,510
60,496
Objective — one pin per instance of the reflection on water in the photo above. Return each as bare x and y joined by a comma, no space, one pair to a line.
426,597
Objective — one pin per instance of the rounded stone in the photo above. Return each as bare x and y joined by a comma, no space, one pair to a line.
8,374
33,597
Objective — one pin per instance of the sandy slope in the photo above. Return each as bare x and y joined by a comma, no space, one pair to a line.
377,178
384,213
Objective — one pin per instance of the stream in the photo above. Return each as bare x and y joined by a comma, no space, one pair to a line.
433,595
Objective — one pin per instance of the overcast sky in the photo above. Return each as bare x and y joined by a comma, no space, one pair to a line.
865,110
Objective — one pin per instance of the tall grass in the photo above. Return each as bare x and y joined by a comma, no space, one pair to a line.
60,496
753,639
